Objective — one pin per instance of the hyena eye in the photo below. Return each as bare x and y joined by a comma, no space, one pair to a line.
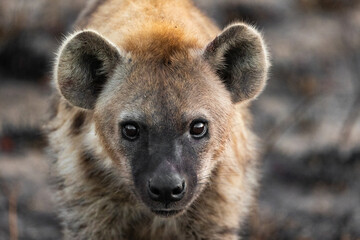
198,128
130,131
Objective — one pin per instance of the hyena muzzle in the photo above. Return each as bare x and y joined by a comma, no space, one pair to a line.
150,127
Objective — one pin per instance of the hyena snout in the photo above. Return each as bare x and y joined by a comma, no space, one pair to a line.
166,188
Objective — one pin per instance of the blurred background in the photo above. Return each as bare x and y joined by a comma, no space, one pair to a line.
308,118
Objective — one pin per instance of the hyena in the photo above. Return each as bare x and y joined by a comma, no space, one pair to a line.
150,130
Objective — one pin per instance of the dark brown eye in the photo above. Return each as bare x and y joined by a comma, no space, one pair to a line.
130,131
198,129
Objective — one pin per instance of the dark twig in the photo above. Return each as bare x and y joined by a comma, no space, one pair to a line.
350,121
13,228
354,111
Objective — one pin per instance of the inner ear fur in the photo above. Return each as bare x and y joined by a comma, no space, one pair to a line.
85,62
239,57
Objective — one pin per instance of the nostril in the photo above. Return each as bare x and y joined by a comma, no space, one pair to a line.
179,189
154,190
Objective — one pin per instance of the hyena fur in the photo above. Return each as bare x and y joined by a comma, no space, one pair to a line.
150,127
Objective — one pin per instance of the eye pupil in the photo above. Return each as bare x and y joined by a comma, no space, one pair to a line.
130,131
198,129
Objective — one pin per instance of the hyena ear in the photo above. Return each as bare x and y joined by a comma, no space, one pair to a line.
85,62
239,57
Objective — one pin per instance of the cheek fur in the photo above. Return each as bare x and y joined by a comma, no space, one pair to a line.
107,131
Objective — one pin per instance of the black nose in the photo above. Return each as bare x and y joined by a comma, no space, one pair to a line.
166,189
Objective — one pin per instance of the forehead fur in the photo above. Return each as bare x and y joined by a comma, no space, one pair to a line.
160,41
166,95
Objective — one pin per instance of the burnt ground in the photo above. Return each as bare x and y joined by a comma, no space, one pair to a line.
308,118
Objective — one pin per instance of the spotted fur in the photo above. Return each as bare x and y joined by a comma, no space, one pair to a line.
162,62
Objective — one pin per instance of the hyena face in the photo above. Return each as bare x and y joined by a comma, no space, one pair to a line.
163,121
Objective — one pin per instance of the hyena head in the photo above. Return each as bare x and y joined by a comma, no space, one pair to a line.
163,109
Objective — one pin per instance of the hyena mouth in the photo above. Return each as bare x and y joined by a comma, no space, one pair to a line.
166,213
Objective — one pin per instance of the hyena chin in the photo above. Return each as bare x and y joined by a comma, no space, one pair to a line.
150,124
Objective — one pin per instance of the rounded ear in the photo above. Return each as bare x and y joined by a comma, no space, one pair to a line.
85,62
239,57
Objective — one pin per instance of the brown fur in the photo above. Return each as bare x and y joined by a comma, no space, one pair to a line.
86,14
162,58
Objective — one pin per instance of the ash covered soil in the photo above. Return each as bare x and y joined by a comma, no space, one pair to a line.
308,118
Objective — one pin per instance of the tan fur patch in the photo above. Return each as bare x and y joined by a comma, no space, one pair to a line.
159,41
